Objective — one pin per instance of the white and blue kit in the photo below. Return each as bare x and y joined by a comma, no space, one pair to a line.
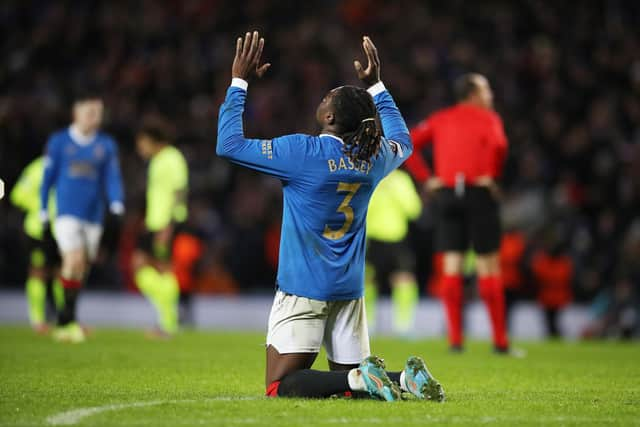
322,249
85,173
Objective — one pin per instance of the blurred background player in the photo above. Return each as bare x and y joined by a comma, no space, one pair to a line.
393,205
469,147
82,164
166,210
44,259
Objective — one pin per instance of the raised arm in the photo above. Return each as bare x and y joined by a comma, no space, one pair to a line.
280,157
397,140
421,135
396,146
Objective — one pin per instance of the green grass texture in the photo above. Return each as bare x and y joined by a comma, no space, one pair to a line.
120,378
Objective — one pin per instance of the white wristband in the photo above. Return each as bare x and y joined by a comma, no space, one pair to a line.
44,217
376,89
241,83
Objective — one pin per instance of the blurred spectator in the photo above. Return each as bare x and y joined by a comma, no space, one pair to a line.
616,311
552,271
512,253
569,95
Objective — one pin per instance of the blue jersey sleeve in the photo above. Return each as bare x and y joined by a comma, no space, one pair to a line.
396,146
51,170
281,157
113,177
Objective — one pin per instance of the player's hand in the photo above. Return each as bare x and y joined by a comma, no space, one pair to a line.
490,184
433,184
246,63
44,217
116,208
371,74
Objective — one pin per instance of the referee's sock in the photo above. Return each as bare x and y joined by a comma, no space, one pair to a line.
452,300
492,293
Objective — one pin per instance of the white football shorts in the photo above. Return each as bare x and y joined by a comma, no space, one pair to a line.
302,325
73,233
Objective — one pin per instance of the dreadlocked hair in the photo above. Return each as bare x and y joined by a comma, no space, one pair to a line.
355,115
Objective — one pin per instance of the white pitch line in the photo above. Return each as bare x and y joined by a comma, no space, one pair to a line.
68,418
74,416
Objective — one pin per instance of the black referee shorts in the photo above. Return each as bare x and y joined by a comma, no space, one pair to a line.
471,220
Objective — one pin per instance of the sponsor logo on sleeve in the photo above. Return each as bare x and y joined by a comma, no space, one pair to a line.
267,149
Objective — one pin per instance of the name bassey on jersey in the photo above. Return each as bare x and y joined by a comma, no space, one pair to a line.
345,163
325,196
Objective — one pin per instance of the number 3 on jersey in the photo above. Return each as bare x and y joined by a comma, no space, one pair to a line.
344,208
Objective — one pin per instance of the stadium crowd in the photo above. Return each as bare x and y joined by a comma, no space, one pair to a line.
566,80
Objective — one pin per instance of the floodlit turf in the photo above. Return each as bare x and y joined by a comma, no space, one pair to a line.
207,378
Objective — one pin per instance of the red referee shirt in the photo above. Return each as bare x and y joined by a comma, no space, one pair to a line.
466,139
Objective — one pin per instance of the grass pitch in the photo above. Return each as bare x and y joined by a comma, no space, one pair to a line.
118,378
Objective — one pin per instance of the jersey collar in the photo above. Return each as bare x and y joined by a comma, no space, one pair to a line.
79,138
332,136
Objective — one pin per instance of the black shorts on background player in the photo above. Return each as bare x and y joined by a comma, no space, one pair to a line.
387,258
145,244
145,241
467,221
48,248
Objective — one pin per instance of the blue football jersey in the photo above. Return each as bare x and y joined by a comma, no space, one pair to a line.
84,175
326,195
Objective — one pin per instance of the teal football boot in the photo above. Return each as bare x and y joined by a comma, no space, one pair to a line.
420,382
377,381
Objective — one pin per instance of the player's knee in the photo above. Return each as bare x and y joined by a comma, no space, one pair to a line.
452,263
402,277
74,265
79,268
139,260
163,266
75,272
37,273
487,265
